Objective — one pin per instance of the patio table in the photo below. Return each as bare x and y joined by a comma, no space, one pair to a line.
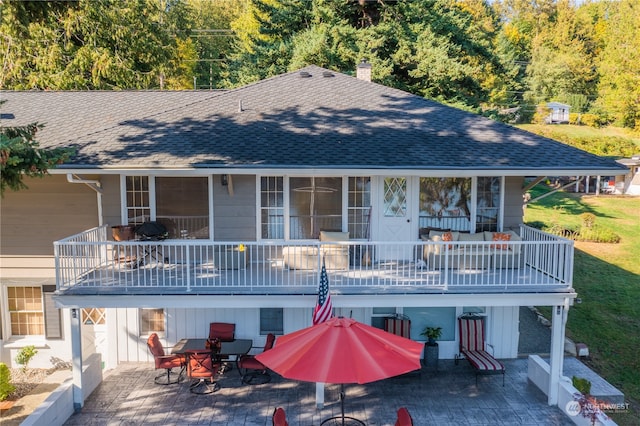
234,348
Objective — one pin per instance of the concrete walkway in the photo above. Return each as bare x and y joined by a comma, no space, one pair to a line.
448,396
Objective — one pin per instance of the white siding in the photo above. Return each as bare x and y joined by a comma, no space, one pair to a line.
502,330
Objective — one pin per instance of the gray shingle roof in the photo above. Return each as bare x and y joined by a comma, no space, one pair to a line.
287,121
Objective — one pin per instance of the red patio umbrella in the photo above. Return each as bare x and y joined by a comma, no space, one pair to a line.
342,350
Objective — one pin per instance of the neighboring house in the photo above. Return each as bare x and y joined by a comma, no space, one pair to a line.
559,113
255,186
629,183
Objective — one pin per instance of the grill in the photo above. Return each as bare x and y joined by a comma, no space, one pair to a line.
152,231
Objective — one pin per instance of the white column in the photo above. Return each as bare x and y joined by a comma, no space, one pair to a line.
76,353
558,323
598,183
320,395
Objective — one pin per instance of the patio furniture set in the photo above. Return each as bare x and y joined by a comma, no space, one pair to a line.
339,350
202,359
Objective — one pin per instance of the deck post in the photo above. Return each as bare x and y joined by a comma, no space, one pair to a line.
76,351
556,360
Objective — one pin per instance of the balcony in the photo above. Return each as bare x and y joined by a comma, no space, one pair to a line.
88,263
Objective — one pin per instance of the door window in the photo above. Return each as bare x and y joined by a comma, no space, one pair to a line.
395,197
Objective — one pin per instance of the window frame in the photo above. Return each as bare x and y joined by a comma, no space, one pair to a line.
142,332
52,321
263,330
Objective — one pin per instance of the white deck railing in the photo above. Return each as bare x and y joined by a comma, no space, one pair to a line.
89,262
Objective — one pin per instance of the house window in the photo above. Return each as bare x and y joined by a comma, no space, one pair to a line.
315,205
32,312
488,205
151,321
445,203
359,209
432,317
271,321
272,207
138,201
182,205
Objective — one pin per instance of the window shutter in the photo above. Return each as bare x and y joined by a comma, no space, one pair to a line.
52,315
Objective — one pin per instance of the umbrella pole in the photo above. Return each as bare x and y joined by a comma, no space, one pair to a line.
343,417
342,401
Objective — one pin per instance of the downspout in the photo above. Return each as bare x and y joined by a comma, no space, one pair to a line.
93,184
76,325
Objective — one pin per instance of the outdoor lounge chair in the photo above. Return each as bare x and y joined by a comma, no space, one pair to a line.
167,362
253,371
404,418
473,347
202,369
279,417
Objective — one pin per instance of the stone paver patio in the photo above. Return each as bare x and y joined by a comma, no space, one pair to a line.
449,396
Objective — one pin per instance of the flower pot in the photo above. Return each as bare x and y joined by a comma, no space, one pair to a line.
431,356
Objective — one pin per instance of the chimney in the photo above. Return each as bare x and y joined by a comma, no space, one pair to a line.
363,71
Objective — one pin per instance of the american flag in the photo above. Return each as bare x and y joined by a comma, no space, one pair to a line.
323,307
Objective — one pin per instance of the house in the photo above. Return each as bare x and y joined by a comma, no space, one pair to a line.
629,183
255,187
559,113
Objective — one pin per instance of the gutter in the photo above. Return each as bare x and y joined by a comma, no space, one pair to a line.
93,184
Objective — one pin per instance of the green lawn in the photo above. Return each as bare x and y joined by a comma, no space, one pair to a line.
607,279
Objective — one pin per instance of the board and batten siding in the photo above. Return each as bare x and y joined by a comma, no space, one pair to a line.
130,346
502,331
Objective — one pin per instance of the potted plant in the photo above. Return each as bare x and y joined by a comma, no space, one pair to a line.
432,334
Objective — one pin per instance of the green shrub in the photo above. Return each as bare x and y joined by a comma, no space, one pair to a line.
597,234
575,118
6,388
591,120
25,354
588,220
582,385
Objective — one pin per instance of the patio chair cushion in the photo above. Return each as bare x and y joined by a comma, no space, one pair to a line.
483,361
161,359
279,417
223,331
305,257
404,418
473,346
250,368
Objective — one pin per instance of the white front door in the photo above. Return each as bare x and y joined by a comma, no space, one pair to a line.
94,332
394,223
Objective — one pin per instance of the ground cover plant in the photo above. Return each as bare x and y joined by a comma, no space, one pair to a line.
609,141
607,280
